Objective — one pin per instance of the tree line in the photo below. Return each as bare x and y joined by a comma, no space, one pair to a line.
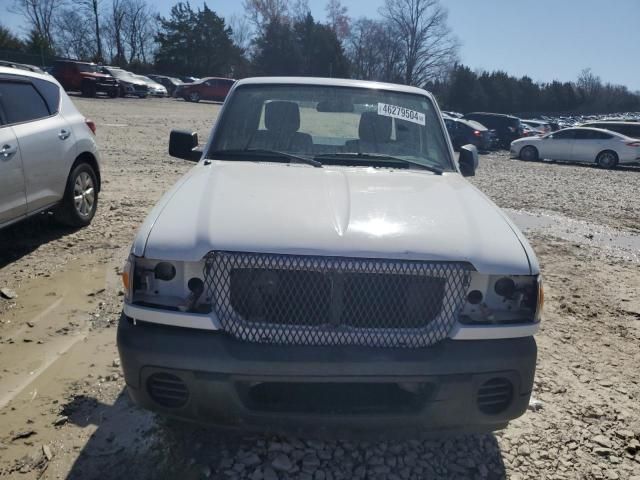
410,42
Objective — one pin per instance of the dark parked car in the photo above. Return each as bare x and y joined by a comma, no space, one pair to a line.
630,129
464,132
129,85
210,88
84,77
507,128
170,83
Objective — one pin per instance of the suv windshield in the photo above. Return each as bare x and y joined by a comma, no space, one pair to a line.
334,125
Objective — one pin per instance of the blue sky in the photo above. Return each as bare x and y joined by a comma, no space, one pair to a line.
545,39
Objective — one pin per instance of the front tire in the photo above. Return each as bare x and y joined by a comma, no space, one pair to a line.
607,159
80,199
529,154
194,97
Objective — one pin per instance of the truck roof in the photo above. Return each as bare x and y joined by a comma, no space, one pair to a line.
331,82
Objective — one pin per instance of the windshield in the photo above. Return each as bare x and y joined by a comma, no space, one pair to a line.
332,123
117,73
87,67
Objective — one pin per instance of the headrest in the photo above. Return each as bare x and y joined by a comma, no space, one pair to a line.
374,128
281,116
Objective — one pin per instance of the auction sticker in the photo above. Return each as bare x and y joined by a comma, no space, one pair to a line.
401,113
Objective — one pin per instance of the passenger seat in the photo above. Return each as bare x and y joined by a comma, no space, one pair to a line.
282,122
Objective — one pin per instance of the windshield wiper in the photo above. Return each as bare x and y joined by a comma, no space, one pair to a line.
380,156
253,152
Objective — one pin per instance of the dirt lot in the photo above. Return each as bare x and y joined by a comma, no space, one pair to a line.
64,412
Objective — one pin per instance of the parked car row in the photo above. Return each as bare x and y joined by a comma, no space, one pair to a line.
602,139
91,79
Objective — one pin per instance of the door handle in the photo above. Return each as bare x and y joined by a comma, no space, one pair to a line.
7,150
64,134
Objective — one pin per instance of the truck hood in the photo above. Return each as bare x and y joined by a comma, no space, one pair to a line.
341,211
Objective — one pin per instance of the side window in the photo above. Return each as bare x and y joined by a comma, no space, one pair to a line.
601,136
564,135
50,92
586,135
21,102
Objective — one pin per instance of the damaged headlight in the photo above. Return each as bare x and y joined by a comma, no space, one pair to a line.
165,285
503,299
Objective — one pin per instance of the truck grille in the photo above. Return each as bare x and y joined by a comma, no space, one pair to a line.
314,300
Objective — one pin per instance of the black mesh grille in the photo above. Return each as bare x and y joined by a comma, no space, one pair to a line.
311,300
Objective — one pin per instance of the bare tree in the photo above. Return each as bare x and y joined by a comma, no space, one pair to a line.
262,12
589,83
74,35
39,15
338,19
300,10
115,27
428,45
241,31
374,51
93,9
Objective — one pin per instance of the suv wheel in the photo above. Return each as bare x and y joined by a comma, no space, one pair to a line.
113,93
80,197
194,97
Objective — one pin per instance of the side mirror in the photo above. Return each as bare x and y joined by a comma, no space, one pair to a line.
182,144
468,160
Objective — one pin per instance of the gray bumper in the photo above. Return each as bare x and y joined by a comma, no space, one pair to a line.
219,372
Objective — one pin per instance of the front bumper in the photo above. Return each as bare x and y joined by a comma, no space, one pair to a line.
222,376
106,87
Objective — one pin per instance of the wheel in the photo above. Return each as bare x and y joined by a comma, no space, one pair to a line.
113,93
194,97
80,197
529,154
88,89
142,96
607,159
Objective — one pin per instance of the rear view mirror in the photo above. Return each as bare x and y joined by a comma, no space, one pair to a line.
468,160
182,144
335,106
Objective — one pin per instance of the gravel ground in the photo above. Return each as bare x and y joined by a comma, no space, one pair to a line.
64,412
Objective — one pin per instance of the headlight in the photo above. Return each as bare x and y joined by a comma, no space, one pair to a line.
165,284
503,299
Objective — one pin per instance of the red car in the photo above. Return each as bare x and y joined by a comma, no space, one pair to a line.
209,88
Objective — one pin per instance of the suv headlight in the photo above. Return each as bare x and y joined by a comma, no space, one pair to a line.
503,299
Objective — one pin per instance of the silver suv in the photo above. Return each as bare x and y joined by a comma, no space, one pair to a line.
48,154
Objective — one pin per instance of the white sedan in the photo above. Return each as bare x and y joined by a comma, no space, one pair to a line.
603,147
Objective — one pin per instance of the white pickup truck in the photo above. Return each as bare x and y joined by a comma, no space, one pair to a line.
326,266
